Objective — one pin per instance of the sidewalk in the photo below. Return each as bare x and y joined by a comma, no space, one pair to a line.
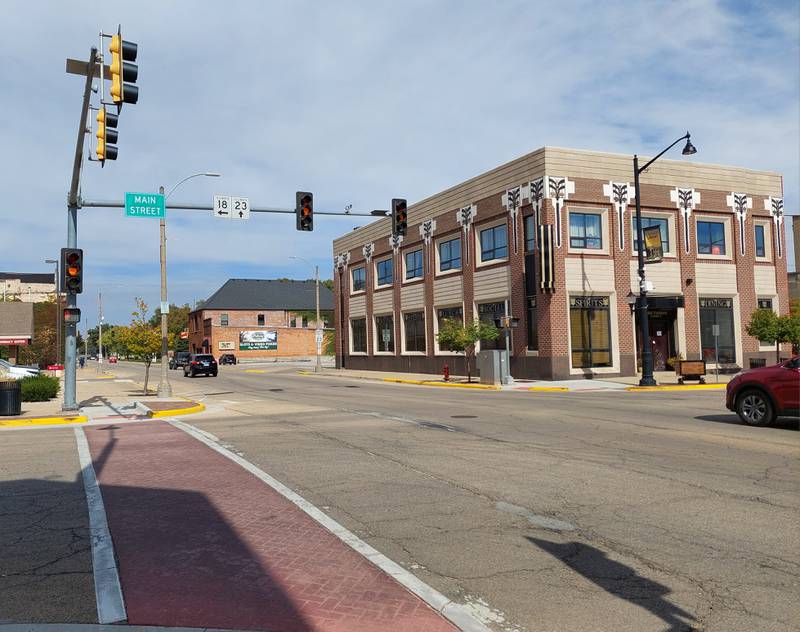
201,542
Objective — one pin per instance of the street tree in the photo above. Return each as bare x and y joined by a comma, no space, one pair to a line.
140,339
462,338
766,325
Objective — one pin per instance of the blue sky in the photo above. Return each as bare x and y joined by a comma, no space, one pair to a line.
360,102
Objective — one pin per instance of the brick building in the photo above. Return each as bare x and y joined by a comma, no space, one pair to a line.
479,250
254,318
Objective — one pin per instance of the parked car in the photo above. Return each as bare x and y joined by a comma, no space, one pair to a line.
759,396
112,360
17,372
179,360
227,358
200,364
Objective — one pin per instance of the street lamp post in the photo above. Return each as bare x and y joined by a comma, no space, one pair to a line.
318,366
641,308
164,388
57,280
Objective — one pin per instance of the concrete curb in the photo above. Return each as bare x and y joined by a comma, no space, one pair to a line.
482,387
680,387
42,421
550,389
187,410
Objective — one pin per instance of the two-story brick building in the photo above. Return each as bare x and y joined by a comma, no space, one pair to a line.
549,238
256,318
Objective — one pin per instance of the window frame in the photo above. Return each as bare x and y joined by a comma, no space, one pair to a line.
416,278
378,262
352,337
766,225
261,320
498,344
584,214
224,320
669,218
735,341
353,289
446,240
529,238
377,339
437,350
479,231
726,233
404,332
610,315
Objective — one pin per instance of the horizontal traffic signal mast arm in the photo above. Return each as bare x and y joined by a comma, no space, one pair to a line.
209,207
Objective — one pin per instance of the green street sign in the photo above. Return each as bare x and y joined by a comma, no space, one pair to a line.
145,205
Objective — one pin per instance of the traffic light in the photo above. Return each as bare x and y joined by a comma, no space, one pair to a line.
123,71
304,208
106,135
399,217
72,270
72,315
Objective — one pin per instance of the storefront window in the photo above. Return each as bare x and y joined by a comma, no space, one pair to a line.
590,328
414,323
384,333
358,328
716,315
487,313
533,331
448,313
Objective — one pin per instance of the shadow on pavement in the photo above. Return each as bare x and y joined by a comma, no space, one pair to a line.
620,580
784,423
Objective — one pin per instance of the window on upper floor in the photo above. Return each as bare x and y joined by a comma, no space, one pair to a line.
414,268
223,320
662,223
261,320
494,243
530,233
359,279
450,255
385,270
586,231
761,244
710,238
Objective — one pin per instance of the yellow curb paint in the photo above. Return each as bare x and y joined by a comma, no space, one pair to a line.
177,411
548,389
483,387
43,421
254,371
679,387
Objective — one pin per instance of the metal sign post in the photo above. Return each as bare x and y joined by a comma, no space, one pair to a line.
715,333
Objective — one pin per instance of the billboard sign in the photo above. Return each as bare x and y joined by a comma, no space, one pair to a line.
258,340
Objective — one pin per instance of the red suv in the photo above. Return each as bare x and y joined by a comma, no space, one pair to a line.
760,395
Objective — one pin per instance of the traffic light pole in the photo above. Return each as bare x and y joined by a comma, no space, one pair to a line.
164,387
73,203
210,207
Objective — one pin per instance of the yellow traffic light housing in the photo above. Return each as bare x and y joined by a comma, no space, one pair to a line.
106,135
124,72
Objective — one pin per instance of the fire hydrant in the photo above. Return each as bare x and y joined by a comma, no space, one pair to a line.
446,373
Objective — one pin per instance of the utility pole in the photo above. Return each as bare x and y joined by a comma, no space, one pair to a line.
318,367
100,334
164,387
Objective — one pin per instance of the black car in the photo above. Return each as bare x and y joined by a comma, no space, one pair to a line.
200,364
227,358
179,360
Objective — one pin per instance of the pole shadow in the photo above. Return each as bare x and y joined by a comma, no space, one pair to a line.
619,580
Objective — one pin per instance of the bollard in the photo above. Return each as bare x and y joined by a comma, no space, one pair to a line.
446,373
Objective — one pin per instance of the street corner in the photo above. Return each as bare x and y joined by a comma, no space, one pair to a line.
172,408
470,385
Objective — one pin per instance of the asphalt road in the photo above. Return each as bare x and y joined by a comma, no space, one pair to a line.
546,511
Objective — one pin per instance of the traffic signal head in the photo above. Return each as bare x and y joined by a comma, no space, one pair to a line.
72,270
399,217
304,208
123,71
106,135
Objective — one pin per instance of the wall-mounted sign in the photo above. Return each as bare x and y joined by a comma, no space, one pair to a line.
226,346
653,248
595,302
716,302
15,341
259,339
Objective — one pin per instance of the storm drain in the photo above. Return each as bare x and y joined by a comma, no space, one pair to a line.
463,416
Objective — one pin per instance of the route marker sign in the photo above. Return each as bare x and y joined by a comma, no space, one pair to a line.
145,205
222,207
240,208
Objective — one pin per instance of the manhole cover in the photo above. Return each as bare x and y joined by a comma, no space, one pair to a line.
463,416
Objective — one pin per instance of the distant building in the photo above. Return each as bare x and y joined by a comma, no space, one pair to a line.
257,318
28,287
794,277
16,326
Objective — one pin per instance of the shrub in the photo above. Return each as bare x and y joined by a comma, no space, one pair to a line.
39,388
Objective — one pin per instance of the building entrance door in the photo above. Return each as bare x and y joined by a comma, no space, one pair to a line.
662,336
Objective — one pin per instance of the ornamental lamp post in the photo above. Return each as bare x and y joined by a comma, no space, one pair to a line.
641,307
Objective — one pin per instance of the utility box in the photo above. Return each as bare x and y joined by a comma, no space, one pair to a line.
493,367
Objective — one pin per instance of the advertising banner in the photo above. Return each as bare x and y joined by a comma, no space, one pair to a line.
653,248
259,339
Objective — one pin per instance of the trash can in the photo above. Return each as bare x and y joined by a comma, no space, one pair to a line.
10,397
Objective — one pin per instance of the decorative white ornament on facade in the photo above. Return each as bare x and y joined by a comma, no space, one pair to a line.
534,192
558,189
739,203
686,200
394,242
368,251
620,194
342,260
465,216
775,208
427,229
512,200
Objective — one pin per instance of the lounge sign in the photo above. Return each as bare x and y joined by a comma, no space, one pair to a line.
258,340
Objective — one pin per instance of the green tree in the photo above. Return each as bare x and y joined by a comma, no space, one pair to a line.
140,339
177,318
789,330
766,325
463,338
42,350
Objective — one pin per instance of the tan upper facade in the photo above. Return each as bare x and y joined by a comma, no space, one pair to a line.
573,163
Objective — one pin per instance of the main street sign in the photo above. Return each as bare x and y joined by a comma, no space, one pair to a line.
145,205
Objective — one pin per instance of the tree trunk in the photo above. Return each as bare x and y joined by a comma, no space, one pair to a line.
469,372
777,351
146,375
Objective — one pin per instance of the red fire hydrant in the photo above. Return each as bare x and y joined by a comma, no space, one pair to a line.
446,373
